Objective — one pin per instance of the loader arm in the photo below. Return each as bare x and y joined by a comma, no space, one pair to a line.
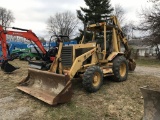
55,63
78,63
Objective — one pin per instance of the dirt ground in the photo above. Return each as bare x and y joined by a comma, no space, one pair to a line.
114,101
144,70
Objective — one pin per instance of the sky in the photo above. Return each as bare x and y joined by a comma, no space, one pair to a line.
33,14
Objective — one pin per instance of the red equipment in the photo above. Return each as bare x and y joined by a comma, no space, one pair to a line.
28,34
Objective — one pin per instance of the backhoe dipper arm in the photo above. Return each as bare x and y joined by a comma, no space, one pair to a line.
122,37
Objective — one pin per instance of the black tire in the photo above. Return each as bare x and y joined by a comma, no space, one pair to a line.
20,58
38,58
120,69
27,58
92,79
14,56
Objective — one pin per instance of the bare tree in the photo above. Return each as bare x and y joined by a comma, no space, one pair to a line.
119,12
153,1
128,29
42,39
151,23
63,23
6,17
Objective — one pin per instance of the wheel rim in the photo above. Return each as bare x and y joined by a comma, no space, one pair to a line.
123,69
28,58
96,79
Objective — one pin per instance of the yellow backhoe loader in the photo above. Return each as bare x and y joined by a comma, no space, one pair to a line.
100,57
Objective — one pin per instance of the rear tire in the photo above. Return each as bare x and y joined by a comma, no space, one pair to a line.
28,58
120,69
92,79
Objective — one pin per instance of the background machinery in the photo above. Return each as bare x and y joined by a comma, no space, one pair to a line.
15,48
32,53
29,35
17,52
100,57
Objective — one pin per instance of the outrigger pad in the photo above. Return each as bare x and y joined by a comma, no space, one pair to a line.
6,67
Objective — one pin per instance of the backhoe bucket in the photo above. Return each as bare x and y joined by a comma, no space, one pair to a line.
49,87
131,64
151,103
6,67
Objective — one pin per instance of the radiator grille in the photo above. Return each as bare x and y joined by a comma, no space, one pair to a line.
66,56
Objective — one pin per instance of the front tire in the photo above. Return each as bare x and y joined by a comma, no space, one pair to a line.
20,58
38,58
28,58
92,79
120,69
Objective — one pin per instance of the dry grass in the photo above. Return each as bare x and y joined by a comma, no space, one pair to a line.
114,101
148,62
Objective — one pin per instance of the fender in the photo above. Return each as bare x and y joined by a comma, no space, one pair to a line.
113,55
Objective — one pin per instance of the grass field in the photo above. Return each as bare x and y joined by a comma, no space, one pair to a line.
114,101
148,62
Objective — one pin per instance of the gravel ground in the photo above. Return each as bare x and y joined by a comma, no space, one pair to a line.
144,70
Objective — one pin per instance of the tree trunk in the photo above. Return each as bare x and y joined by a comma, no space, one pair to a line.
158,52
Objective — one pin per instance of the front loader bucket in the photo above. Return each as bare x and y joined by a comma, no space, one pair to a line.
6,67
49,87
151,103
